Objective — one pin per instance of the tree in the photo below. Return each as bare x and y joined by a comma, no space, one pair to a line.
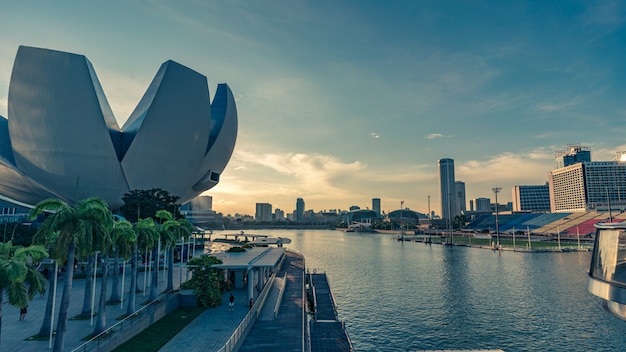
123,238
206,281
80,228
145,204
146,235
18,278
180,228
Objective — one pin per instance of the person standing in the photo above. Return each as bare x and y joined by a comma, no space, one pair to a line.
231,303
23,312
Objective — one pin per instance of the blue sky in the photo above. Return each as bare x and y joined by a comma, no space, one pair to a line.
343,101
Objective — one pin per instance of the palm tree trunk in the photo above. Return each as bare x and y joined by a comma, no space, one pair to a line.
115,294
101,321
155,277
47,318
1,303
59,340
86,312
133,284
170,269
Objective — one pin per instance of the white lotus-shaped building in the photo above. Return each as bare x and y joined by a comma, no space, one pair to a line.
62,140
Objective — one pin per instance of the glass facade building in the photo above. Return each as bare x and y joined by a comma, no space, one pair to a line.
533,198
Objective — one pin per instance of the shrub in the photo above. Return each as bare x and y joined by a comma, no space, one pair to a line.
206,281
236,249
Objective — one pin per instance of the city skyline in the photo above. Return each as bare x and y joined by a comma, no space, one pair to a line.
342,103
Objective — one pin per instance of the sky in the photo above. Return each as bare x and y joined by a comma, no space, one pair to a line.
340,102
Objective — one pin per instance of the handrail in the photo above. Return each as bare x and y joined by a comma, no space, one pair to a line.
251,317
118,327
280,296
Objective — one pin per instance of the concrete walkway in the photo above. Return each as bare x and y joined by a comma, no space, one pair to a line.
212,328
15,333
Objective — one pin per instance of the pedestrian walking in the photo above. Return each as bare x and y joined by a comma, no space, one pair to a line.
23,312
231,303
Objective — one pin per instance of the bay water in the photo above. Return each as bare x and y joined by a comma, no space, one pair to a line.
411,296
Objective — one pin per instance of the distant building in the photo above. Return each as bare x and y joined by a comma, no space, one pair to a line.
573,154
471,205
199,211
263,212
299,213
12,212
376,205
483,205
459,187
449,208
279,214
354,207
588,186
533,198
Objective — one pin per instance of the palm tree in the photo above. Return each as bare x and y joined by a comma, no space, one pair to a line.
88,292
180,228
47,318
121,234
123,238
146,236
166,238
17,275
80,228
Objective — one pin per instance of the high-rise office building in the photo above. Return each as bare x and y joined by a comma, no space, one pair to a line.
483,205
573,154
449,207
299,215
533,198
459,187
263,212
376,205
588,186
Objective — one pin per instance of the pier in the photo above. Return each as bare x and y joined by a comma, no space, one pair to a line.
327,332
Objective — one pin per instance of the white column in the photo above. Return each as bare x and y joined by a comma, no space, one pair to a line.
250,283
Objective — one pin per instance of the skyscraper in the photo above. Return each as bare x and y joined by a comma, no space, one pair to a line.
460,196
299,209
263,212
376,205
449,207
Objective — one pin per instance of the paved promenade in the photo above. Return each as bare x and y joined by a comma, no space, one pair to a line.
211,329
208,332
16,333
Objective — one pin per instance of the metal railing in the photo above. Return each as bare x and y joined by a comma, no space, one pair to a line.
251,317
280,296
120,329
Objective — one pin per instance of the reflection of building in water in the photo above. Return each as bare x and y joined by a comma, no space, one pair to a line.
607,273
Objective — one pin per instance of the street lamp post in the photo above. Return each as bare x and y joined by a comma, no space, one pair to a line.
401,229
496,190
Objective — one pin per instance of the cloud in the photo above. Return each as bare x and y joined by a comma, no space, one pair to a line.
434,136
553,107
4,106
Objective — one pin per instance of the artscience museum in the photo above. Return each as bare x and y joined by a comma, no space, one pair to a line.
61,139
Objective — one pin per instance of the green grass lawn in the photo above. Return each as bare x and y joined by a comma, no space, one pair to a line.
159,333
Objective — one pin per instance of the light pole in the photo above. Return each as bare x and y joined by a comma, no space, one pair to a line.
496,190
401,229
429,221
